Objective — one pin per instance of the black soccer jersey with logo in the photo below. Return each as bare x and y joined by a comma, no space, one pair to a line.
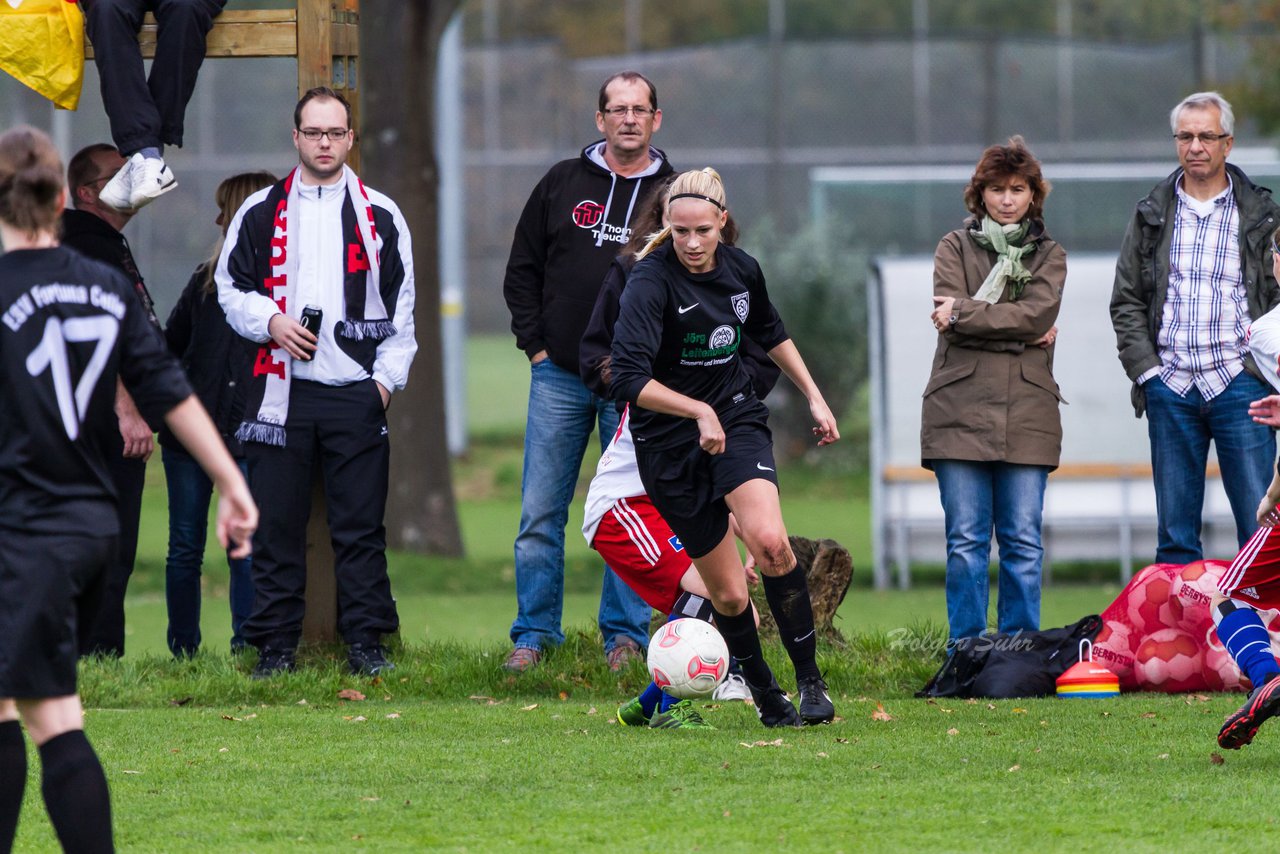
68,327
684,330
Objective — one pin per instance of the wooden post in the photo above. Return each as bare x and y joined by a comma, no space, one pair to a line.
328,47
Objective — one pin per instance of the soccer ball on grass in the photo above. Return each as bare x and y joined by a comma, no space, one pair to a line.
688,658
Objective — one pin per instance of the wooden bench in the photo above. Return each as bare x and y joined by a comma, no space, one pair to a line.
324,36
1107,498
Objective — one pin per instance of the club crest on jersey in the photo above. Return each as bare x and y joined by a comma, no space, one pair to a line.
587,214
723,336
675,543
741,305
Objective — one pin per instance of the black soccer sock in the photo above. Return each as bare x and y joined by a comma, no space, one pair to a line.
75,793
692,605
788,597
743,640
13,780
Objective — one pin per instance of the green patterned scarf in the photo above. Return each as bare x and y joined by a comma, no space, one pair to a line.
1006,242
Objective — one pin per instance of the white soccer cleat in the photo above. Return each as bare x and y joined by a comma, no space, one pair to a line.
151,179
734,687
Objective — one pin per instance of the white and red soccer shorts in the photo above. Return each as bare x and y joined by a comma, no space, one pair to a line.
639,545
1254,576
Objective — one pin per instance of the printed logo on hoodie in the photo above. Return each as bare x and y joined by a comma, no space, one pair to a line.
587,214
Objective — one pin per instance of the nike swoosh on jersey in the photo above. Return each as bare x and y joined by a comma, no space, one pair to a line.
806,637
683,308
763,468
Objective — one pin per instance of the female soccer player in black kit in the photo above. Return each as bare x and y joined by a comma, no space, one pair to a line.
702,442
68,327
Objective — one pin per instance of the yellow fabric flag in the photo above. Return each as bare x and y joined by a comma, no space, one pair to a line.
42,45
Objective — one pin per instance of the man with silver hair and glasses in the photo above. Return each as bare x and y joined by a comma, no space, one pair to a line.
1193,272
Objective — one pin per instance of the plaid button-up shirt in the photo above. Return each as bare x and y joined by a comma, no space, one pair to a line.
1206,312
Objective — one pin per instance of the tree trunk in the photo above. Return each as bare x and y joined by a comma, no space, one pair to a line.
399,43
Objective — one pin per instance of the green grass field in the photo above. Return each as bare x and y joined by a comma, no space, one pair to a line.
449,753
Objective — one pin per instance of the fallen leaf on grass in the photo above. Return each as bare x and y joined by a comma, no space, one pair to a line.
1106,714
1019,711
726,813
529,708
224,749
953,731
371,799
481,698
1163,756
359,719
181,702
302,702
564,695
991,706
1216,758
591,711
880,714
174,750
1015,768
1147,715
393,716
130,772
250,717
724,766
875,766
822,755
842,741
350,694
229,718
777,742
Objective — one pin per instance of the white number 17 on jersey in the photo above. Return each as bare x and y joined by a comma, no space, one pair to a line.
51,354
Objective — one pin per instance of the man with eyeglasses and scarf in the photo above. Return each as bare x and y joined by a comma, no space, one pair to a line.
573,225
1193,272
317,270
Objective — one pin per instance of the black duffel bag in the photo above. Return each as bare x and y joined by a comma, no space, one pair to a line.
1022,664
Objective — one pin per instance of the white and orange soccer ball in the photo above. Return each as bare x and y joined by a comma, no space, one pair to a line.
688,658
1169,660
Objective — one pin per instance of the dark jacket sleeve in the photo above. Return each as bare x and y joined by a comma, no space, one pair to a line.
593,352
1130,307
526,267
637,335
152,375
178,328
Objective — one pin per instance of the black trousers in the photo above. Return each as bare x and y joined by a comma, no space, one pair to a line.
101,628
344,430
148,112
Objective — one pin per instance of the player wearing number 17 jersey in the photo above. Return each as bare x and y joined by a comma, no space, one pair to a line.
69,327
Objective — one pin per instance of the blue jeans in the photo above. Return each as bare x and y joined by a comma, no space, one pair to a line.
976,496
189,493
562,414
1181,429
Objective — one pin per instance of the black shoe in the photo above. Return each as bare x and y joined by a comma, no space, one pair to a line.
368,659
272,661
1241,727
815,702
772,706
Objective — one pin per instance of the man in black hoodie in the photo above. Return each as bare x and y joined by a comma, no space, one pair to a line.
93,228
577,218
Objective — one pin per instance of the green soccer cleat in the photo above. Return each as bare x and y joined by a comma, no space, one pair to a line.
682,714
630,713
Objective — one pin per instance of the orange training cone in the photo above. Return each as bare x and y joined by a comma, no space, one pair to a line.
1086,679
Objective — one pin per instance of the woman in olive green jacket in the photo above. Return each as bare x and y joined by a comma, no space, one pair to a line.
990,428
